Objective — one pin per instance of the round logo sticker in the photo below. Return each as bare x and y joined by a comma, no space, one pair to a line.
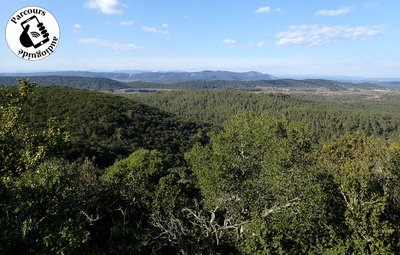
32,33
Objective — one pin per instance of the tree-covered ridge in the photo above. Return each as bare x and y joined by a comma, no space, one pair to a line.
329,85
108,127
104,82
326,118
90,83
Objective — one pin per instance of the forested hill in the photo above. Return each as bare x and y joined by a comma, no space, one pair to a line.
69,81
257,85
108,127
250,81
328,119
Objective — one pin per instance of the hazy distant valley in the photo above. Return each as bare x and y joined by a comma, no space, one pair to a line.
137,81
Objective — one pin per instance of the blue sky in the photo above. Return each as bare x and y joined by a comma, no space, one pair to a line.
310,37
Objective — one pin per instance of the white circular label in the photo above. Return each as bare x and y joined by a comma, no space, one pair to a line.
32,33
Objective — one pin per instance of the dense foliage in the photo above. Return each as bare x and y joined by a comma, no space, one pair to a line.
257,85
106,127
327,119
261,184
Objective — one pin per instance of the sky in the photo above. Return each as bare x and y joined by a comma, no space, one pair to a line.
279,37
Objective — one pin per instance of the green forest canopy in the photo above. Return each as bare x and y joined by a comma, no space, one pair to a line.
326,118
107,127
262,183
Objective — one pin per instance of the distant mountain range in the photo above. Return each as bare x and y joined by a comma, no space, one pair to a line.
180,76
159,77
173,77
85,74
184,80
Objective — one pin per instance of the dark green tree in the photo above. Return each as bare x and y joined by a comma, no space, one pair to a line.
262,192
359,167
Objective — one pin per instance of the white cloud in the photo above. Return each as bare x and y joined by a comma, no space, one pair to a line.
255,45
149,29
155,30
336,12
108,44
266,9
229,42
165,25
108,7
77,28
126,23
319,35
370,5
